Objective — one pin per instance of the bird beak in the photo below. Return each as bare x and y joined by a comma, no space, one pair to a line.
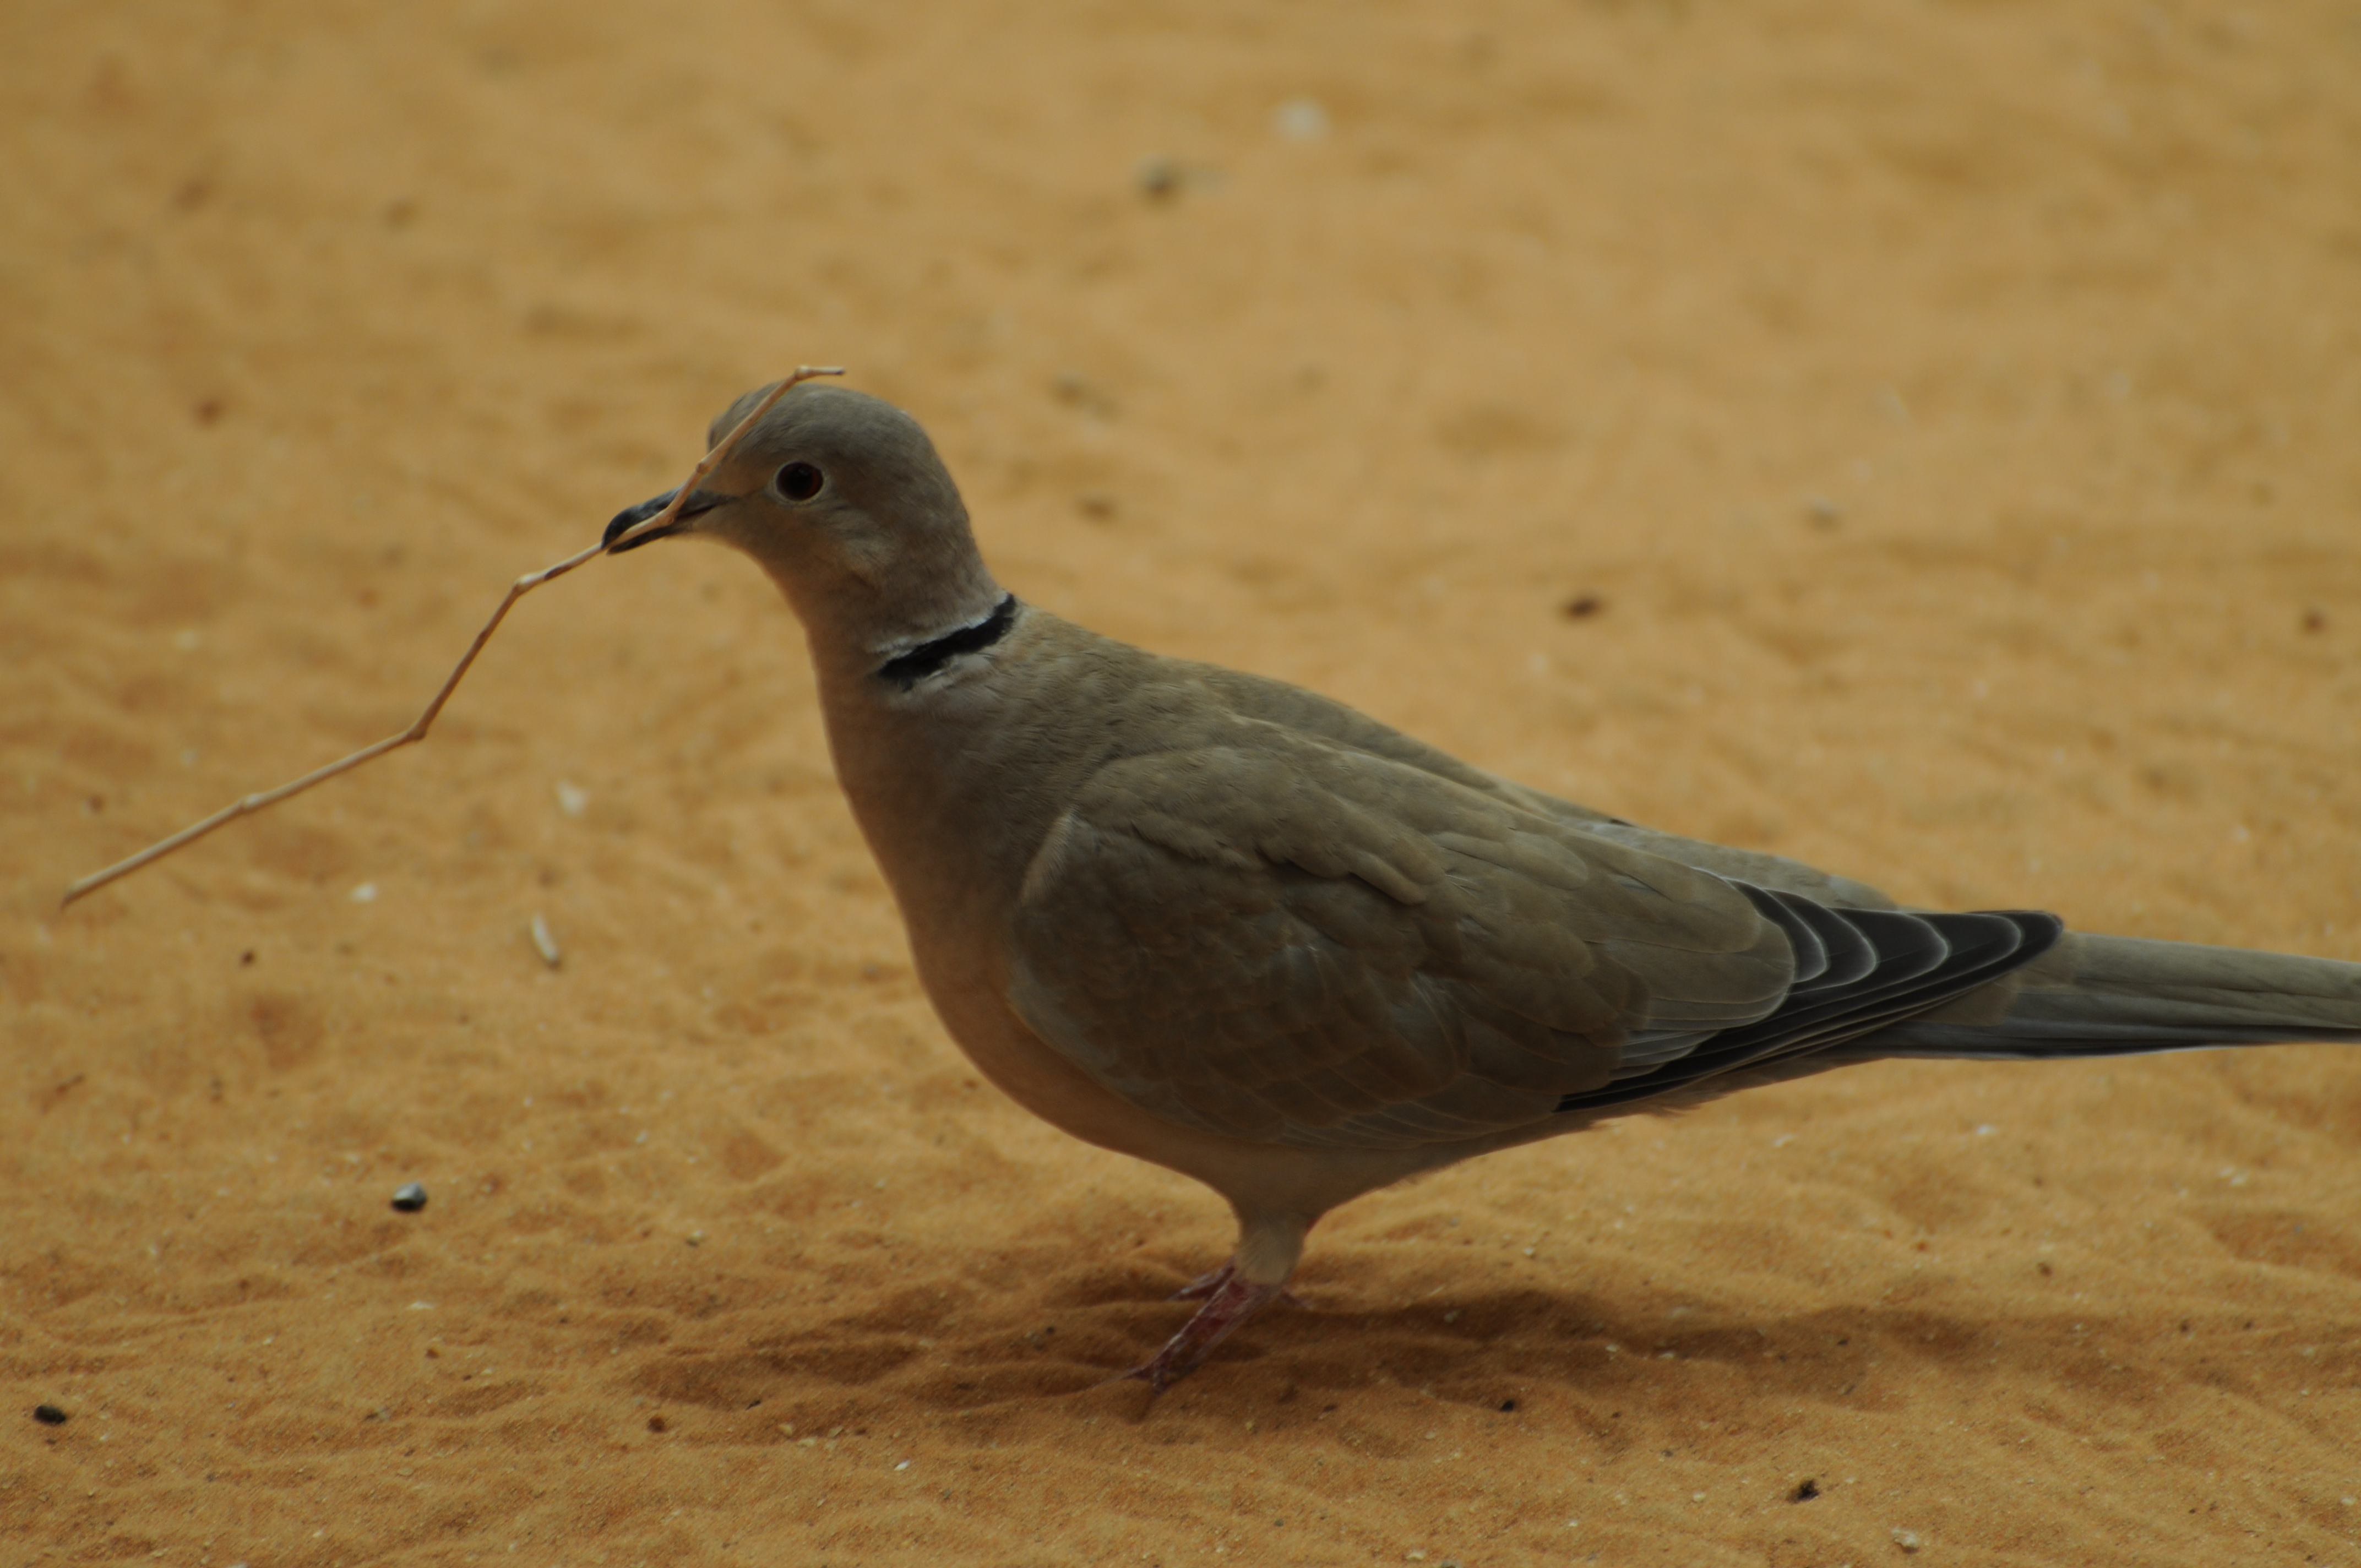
631,517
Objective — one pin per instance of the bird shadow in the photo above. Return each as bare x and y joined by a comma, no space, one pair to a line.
1600,1361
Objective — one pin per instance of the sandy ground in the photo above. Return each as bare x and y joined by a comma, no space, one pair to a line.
1946,413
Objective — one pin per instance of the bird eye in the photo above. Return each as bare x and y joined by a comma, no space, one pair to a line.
800,481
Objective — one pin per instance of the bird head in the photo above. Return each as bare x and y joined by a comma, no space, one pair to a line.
840,497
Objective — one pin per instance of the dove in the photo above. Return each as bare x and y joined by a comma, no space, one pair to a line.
1219,923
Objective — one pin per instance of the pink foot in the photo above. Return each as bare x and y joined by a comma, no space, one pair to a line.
1229,1302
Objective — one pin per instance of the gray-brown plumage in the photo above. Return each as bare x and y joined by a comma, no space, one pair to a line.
1233,927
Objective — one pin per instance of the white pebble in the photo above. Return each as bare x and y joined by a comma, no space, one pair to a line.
1300,119
364,893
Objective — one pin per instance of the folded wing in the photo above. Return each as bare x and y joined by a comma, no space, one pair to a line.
1285,940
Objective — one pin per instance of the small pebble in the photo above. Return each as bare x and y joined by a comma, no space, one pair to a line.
410,1197
1300,119
1159,179
546,944
1906,1538
49,1415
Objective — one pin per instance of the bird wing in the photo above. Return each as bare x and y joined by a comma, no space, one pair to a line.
1310,713
1283,937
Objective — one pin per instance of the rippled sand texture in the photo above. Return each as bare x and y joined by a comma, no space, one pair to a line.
1941,416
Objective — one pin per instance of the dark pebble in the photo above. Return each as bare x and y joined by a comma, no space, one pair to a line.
49,1415
410,1197
1159,179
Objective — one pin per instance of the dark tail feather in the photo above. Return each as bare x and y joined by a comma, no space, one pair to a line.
2121,995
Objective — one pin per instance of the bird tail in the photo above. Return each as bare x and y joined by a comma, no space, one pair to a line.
2097,996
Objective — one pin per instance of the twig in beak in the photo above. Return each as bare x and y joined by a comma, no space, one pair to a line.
714,458
418,729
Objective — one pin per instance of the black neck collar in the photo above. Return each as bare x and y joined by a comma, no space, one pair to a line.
906,670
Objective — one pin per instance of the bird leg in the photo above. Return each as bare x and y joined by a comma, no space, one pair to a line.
1230,1299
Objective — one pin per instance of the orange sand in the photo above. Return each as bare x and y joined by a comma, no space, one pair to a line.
1953,408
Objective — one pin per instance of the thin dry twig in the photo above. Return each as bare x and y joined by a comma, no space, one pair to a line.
426,721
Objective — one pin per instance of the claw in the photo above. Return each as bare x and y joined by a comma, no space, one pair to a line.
1204,1285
